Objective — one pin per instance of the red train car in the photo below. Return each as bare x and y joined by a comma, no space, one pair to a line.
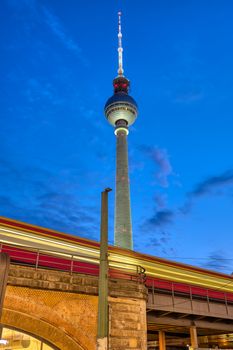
44,248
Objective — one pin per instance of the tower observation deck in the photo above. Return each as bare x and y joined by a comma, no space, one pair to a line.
121,111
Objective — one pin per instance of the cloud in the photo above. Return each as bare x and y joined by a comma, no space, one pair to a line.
155,233
36,90
135,165
63,211
40,197
217,261
161,218
161,159
155,242
161,200
38,12
7,203
208,187
157,222
22,4
213,182
189,96
56,27
159,242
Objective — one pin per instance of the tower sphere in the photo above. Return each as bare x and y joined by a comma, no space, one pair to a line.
121,106
121,111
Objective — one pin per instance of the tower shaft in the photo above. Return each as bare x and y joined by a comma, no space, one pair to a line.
123,223
121,111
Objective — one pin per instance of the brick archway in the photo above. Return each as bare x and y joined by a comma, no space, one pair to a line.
57,317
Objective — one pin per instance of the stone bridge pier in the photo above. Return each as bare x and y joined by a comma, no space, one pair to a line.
61,309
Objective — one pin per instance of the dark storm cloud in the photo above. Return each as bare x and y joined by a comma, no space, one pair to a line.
161,159
208,187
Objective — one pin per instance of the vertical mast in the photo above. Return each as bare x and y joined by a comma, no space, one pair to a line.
121,112
120,48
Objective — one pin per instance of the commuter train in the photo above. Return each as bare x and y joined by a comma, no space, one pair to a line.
44,248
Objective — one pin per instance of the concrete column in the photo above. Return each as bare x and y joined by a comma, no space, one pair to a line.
123,224
162,340
4,269
193,337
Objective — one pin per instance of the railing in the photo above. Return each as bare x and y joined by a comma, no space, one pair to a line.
154,344
176,289
71,263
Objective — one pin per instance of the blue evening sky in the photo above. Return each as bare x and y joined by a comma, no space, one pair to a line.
58,60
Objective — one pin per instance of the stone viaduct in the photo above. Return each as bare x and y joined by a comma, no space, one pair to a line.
175,307
62,310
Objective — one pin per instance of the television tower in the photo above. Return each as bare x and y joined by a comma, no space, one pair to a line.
121,112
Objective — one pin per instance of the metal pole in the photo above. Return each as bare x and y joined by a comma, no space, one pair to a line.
102,334
4,269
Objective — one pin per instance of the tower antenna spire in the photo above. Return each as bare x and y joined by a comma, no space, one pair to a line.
121,111
120,48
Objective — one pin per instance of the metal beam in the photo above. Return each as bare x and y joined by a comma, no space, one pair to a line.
217,320
169,321
165,313
182,316
199,317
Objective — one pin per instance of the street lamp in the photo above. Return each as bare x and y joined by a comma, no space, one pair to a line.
102,333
